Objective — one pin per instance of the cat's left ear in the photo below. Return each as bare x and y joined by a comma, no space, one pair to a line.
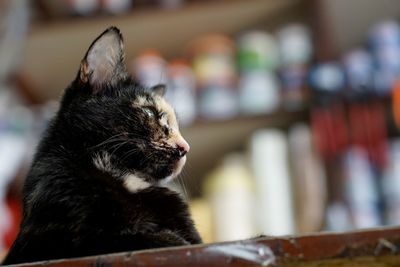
159,89
104,61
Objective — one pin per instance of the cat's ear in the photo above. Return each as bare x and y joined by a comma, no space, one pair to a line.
159,89
104,61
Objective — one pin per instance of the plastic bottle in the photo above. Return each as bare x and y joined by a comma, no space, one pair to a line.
391,185
361,189
296,50
149,68
295,45
181,92
213,62
258,84
269,162
384,41
309,180
229,189
116,6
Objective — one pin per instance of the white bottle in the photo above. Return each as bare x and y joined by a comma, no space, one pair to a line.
116,6
269,161
361,189
181,93
258,92
309,180
230,191
391,185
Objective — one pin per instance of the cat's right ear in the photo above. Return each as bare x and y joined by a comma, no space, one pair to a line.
159,89
103,63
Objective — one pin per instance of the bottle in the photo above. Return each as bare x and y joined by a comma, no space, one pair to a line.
200,210
384,42
213,62
257,50
361,189
258,92
296,50
181,93
258,84
116,6
327,78
338,218
82,7
396,103
391,185
358,65
295,45
309,180
229,189
295,91
150,68
269,164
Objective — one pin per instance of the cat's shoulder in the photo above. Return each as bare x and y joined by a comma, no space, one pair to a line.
164,198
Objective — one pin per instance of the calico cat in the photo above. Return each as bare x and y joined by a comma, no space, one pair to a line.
96,182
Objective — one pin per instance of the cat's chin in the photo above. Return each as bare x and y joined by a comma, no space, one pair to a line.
178,168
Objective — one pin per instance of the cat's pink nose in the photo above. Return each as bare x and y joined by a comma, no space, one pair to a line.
183,147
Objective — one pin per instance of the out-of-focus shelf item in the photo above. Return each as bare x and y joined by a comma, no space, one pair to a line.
340,14
54,50
378,247
228,135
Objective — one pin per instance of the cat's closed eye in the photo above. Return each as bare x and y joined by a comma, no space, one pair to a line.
149,112
153,113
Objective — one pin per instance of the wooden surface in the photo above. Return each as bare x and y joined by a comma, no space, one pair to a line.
378,247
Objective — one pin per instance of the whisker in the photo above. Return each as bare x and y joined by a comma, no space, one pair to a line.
112,138
193,183
183,186
129,153
118,146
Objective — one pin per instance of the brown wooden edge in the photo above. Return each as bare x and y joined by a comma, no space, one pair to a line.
255,252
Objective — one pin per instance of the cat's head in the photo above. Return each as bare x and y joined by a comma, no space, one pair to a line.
127,130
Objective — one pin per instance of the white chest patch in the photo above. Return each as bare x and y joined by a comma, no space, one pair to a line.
134,184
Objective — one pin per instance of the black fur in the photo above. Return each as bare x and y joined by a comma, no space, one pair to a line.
73,209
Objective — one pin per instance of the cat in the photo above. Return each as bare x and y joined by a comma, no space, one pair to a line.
97,181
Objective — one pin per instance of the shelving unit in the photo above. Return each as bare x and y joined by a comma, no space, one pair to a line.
54,50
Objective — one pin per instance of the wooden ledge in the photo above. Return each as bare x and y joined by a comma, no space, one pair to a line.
377,247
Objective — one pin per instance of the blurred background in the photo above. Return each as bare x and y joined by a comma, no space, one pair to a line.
291,107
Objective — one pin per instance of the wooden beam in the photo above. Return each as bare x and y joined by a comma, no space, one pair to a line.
377,247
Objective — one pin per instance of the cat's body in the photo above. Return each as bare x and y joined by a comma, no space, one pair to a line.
96,183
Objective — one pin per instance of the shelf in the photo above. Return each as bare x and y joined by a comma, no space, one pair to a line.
54,50
374,247
210,141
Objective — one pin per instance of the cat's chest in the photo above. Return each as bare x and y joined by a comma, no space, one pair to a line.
158,207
